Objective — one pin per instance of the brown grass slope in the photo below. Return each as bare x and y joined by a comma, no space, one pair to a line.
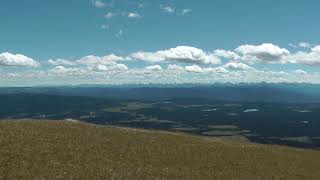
68,150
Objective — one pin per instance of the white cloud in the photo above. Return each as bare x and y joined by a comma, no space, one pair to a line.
108,75
110,67
61,62
194,69
90,70
267,52
8,59
186,11
300,45
98,3
217,70
119,34
237,65
99,67
174,67
226,54
167,9
172,10
304,45
105,26
93,61
140,5
200,69
121,67
134,15
183,54
61,70
293,45
154,68
90,60
110,15
300,72
309,58
316,49
148,56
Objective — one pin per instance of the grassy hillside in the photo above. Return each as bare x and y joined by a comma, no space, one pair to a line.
69,150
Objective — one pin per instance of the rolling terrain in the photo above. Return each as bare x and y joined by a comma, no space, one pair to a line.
75,150
293,124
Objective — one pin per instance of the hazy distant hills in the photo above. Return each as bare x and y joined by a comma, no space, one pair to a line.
221,92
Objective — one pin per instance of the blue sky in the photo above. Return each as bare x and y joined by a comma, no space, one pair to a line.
267,38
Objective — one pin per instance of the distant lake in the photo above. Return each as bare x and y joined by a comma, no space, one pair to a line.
251,110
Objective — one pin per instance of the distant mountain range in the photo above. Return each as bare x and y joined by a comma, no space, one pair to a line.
262,92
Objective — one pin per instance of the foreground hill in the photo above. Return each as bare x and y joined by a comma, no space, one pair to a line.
72,150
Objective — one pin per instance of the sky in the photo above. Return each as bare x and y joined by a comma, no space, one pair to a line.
45,42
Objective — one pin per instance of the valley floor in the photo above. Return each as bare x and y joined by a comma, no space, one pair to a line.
74,150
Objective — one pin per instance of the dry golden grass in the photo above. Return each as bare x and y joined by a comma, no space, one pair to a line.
70,150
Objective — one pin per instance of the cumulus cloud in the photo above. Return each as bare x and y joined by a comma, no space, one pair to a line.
172,10
61,62
176,60
167,9
300,45
92,63
237,65
121,67
304,45
134,15
226,54
300,72
98,3
110,67
218,70
110,15
293,45
105,74
61,70
91,60
148,56
185,11
194,69
309,58
92,69
131,15
119,34
8,59
316,49
174,67
154,68
267,52
105,26
183,54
